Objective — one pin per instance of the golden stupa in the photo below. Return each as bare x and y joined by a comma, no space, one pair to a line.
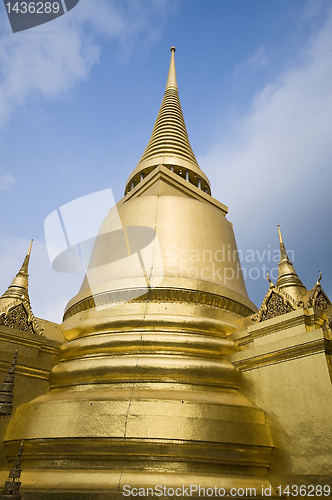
143,394
147,390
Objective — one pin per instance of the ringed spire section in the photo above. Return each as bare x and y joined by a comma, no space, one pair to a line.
169,143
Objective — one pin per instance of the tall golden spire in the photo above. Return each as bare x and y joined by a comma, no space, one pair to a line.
171,80
288,280
15,308
283,253
169,143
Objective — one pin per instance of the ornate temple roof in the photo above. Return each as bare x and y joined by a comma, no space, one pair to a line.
289,293
15,308
169,143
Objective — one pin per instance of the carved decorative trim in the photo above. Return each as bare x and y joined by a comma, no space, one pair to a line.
276,306
321,301
5,335
217,453
20,317
27,371
276,303
17,317
329,323
318,298
277,327
160,295
307,349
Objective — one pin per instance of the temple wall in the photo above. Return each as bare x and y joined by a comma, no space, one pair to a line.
37,355
285,371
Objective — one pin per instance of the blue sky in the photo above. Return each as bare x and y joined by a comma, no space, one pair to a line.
78,103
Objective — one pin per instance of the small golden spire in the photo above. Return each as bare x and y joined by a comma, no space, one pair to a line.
19,285
15,298
171,80
283,253
287,277
25,265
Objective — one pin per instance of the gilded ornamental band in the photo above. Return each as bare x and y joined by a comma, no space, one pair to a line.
160,295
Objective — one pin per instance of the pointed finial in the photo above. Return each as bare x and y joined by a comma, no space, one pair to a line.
269,279
29,251
319,279
171,80
19,285
25,265
283,253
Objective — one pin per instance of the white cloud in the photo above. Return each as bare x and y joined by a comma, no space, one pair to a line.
49,64
7,181
312,8
278,156
258,60
274,166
